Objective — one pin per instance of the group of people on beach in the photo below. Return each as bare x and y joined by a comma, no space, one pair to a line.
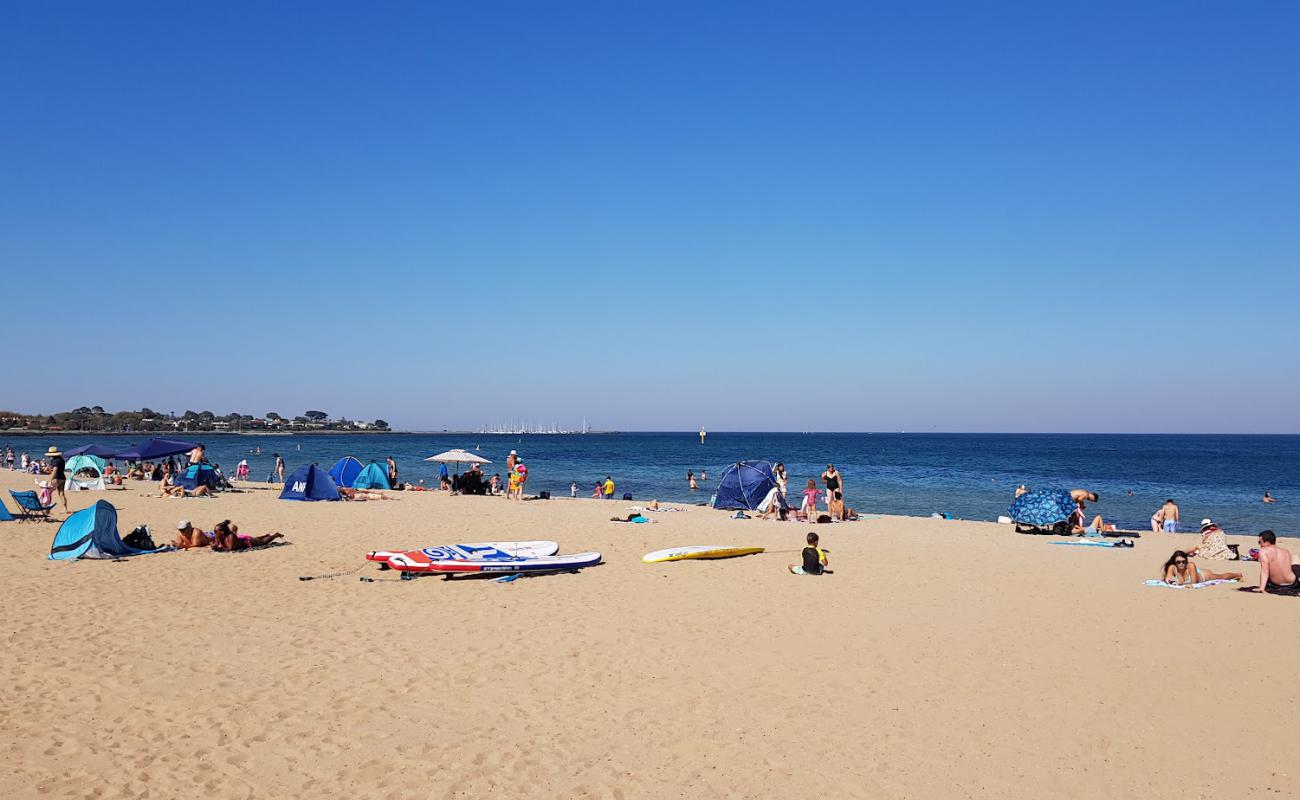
777,505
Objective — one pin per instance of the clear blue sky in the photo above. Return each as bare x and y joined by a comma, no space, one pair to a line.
755,216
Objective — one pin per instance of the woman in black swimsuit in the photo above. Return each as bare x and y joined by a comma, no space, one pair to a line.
832,480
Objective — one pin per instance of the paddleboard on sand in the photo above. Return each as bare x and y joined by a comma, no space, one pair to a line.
473,551
698,551
540,564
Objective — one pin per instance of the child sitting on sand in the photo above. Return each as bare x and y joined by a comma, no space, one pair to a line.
814,559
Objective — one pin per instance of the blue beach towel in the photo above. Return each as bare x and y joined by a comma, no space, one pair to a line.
1200,585
1085,544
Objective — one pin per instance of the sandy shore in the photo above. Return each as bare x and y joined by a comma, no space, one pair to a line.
942,659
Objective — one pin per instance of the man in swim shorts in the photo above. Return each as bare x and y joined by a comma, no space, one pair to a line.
1169,513
1277,572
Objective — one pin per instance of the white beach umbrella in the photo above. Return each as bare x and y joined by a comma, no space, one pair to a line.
458,457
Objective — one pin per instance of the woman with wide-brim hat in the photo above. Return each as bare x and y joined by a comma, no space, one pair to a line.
55,457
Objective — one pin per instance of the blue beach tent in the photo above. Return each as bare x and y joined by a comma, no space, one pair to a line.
92,533
744,485
372,477
5,516
309,482
345,471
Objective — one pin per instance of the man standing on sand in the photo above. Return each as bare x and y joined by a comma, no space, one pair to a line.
1278,571
609,488
392,472
1166,519
510,462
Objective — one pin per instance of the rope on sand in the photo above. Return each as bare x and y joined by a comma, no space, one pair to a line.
329,575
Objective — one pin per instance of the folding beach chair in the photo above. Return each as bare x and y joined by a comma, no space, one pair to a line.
29,506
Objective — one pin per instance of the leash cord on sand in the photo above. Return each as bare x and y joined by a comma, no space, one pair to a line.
328,575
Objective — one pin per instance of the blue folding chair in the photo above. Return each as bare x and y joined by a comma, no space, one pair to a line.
29,506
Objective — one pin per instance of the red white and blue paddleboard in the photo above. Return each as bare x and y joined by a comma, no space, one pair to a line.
473,551
459,565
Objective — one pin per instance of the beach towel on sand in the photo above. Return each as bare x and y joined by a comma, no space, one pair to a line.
1092,544
1200,585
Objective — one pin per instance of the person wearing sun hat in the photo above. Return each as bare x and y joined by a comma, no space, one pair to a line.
1214,545
57,475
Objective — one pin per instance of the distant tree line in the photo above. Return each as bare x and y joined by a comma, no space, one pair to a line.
96,419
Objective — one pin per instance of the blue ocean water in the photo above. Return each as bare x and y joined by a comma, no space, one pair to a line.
971,476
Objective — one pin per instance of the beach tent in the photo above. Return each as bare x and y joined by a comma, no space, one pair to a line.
372,477
196,475
345,471
91,450
309,482
744,485
155,449
92,533
5,516
91,477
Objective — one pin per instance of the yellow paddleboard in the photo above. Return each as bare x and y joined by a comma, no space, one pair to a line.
698,551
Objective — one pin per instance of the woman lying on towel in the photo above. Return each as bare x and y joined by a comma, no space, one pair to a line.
362,495
1180,570
1098,526
228,538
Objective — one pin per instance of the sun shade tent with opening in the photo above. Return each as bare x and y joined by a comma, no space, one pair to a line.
744,485
92,533
346,470
91,469
372,476
309,482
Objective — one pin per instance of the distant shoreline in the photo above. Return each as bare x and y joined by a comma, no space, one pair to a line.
166,434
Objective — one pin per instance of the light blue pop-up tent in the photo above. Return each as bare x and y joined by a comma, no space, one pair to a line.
372,477
92,533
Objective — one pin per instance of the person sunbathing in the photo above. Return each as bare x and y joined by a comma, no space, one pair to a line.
228,538
1098,526
1180,570
362,495
168,488
188,537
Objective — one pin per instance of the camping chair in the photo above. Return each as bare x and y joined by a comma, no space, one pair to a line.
29,506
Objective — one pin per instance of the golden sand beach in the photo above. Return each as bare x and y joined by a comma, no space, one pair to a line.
942,659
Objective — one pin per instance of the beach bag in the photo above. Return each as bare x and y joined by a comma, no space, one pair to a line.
544,496
627,495
824,518
140,539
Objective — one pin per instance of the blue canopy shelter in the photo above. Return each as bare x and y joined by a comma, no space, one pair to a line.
309,482
372,477
92,533
345,471
91,450
744,485
156,448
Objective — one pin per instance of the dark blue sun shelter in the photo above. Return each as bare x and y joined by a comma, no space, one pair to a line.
309,482
744,485
156,448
